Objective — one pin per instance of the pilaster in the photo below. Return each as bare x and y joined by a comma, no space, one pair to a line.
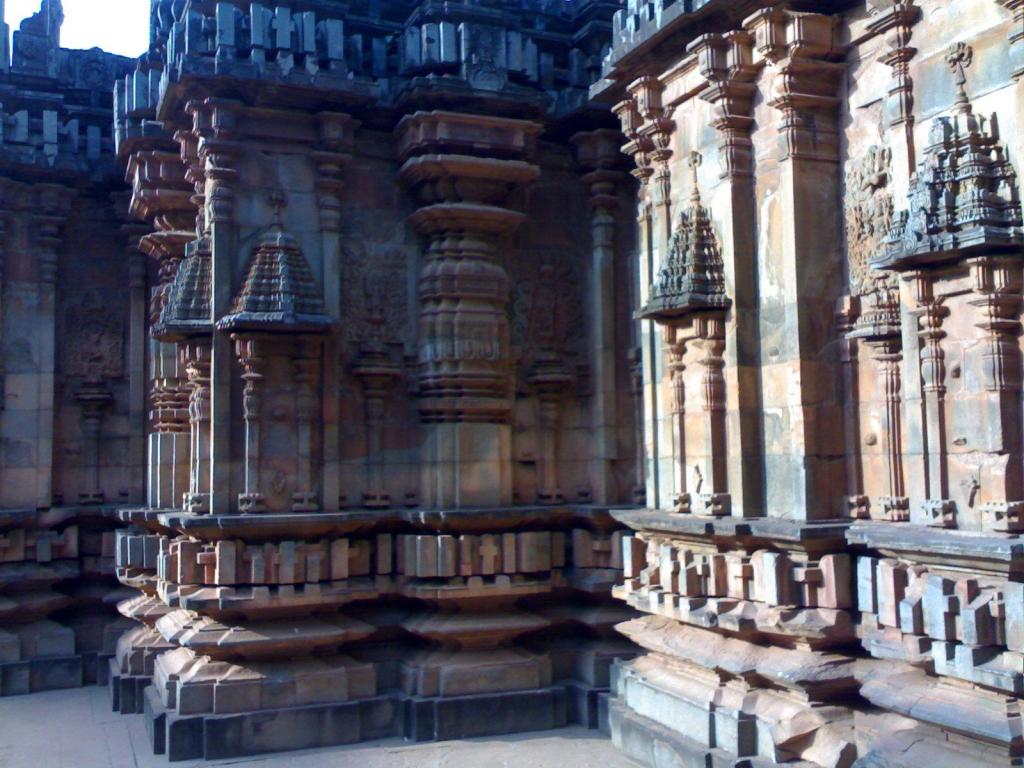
802,74
597,154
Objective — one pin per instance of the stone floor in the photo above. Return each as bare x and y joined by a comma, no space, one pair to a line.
76,729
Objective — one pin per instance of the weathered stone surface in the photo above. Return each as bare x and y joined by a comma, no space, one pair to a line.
412,361
853,403
387,324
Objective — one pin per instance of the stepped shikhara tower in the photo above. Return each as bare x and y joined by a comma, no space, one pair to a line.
466,368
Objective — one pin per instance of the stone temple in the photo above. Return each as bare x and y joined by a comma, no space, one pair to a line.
447,368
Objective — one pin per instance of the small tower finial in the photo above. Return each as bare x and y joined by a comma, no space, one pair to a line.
959,59
694,161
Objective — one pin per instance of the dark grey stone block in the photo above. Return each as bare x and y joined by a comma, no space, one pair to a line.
156,721
114,689
488,715
56,674
14,679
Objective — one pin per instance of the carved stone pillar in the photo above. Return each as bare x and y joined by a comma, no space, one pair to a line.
878,326
550,379
162,196
726,63
307,369
137,378
214,125
644,362
675,346
898,23
464,346
936,509
249,355
168,439
377,374
997,284
709,332
196,358
888,356
636,391
656,132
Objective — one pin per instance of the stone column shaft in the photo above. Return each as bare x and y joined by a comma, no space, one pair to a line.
800,468
333,130
196,357
598,153
249,355
212,122
47,241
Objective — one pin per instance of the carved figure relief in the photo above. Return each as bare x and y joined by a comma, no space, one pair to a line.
94,340
374,304
547,302
869,213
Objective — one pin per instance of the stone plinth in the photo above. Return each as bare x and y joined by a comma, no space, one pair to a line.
284,619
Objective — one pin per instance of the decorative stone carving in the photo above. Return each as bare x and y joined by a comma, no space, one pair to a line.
94,339
964,197
279,292
691,278
869,214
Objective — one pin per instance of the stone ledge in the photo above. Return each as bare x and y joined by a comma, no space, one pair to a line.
940,543
821,532
259,527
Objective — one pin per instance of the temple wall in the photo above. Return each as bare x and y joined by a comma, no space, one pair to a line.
73,409
829,217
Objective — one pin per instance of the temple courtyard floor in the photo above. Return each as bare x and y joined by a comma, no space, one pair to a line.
76,729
